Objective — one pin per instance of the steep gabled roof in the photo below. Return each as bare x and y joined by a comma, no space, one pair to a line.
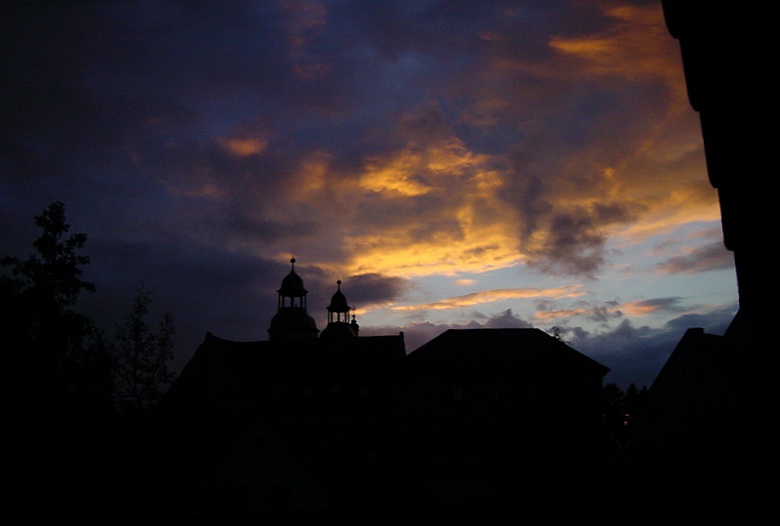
490,348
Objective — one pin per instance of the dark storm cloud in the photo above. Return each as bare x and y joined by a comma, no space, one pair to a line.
58,56
575,245
506,319
669,304
204,289
99,73
550,312
712,256
604,313
371,289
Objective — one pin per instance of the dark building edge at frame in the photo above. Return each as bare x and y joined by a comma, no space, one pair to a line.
729,63
710,420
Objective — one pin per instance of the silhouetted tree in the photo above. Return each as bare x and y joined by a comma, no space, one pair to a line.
56,377
56,355
141,356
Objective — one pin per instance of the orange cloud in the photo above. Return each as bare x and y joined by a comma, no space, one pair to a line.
311,176
636,47
459,226
392,252
243,147
641,308
419,169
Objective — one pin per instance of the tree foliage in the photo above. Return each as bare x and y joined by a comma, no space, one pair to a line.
619,408
55,272
55,353
59,380
141,356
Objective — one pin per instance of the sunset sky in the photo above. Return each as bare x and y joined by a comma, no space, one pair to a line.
454,163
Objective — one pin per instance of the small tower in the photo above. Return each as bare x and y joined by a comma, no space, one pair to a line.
292,320
339,325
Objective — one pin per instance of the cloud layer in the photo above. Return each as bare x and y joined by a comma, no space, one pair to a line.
201,145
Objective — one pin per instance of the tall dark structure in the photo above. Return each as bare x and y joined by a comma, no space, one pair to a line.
709,421
729,61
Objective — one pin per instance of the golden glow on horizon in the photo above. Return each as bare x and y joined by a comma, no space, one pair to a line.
490,296
445,253
472,229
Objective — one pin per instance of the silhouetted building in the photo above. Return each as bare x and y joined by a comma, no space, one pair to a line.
501,413
709,420
343,420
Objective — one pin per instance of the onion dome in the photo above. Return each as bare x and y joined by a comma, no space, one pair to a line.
292,284
338,302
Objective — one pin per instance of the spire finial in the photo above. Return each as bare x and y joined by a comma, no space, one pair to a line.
338,282
292,260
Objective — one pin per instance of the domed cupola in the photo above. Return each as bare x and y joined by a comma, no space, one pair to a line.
292,320
338,317
292,288
338,305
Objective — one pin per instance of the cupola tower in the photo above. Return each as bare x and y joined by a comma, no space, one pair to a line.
292,320
339,324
